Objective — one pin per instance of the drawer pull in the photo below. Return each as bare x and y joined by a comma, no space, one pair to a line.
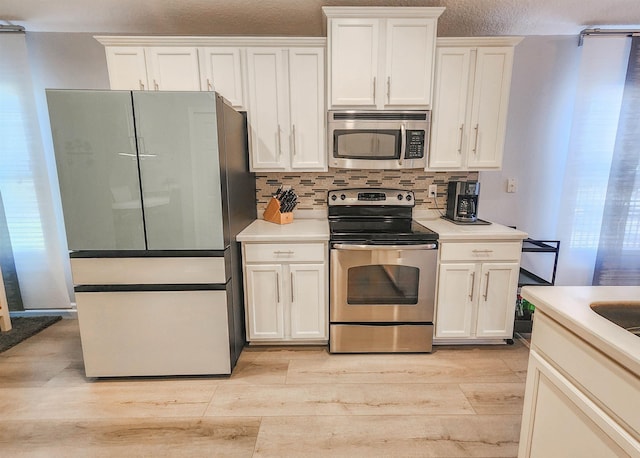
482,251
287,252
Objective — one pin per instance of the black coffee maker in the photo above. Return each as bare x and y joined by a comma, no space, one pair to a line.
462,201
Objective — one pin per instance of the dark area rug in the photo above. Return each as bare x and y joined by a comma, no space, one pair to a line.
23,328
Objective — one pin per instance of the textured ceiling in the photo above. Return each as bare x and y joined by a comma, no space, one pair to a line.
304,17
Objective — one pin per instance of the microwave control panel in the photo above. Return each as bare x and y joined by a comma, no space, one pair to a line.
415,144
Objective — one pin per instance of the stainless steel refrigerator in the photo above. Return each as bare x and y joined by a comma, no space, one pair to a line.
155,186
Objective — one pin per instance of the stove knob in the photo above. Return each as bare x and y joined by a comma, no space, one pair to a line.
399,196
408,196
342,197
333,197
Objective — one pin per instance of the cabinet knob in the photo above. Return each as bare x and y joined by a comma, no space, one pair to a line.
141,85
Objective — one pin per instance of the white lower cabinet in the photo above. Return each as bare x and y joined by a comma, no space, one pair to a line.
286,292
577,401
477,286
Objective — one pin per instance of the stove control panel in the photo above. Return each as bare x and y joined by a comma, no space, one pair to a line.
371,197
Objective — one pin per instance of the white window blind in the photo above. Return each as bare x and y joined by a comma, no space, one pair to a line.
618,260
25,185
599,96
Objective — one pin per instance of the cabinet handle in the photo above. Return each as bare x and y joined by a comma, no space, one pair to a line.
294,138
403,145
292,288
277,287
374,89
473,284
475,145
141,85
460,143
155,85
482,251
389,89
209,85
486,288
279,143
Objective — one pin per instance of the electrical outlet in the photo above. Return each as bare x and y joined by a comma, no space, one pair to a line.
511,185
433,190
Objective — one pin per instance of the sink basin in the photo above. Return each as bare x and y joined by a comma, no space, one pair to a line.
624,314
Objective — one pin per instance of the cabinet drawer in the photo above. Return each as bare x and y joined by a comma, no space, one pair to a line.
147,271
291,252
493,251
605,382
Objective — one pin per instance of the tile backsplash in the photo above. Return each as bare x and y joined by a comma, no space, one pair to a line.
312,187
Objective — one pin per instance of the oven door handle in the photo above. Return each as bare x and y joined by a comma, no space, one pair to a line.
345,246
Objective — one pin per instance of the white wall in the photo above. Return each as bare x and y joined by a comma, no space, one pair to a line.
543,91
538,127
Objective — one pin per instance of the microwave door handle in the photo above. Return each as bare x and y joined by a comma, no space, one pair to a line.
402,143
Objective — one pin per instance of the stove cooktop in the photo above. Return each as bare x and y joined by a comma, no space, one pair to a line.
380,230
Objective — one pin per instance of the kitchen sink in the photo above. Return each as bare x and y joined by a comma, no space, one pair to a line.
624,314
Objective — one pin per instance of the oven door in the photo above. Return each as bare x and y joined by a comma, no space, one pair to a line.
382,283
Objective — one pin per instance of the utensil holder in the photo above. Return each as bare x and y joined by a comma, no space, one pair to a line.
272,213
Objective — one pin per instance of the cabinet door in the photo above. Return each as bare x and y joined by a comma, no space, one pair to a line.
268,112
94,144
497,299
457,291
221,71
308,301
306,94
179,168
560,420
173,68
354,62
449,134
410,45
491,87
127,68
264,299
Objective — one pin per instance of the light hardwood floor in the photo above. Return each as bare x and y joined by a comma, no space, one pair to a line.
280,401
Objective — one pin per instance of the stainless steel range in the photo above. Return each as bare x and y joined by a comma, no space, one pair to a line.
383,273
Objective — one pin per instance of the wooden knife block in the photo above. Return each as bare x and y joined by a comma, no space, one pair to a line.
272,213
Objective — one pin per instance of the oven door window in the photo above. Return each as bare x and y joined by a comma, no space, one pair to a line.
366,144
381,284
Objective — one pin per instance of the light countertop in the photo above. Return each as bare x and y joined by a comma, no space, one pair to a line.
569,305
448,231
300,230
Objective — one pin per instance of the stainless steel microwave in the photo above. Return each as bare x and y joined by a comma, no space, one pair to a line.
378,139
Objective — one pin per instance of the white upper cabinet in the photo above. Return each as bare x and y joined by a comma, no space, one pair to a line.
353,62
381,57
471,98
153,68
286,108
172,68
127,68
268,113
307,115
279,81
221,71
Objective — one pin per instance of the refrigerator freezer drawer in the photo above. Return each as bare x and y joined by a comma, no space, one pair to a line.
146,270
154,333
